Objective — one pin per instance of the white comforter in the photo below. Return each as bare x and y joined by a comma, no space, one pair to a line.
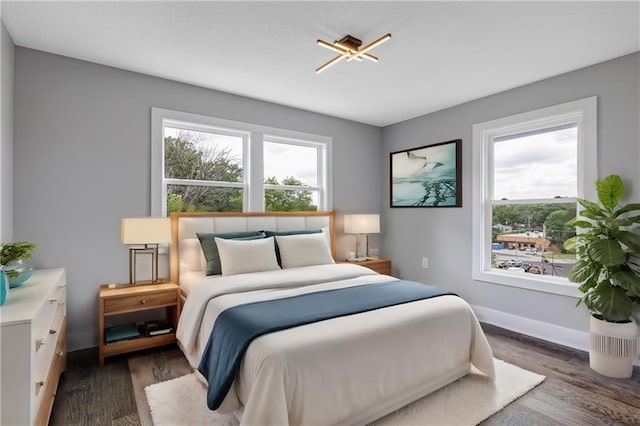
350,369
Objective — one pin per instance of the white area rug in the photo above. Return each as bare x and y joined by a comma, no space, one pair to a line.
182,401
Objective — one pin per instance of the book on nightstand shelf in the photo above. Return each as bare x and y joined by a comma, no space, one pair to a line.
121,332
155,328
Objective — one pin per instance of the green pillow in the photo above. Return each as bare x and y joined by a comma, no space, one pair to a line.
282,233
210,248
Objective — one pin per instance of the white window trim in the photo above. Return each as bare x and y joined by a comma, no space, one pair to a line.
253,165
584,111
322,166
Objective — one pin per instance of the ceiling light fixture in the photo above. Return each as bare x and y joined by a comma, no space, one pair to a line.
349,48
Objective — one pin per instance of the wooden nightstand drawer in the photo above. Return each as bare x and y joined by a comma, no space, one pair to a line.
381,265
138,302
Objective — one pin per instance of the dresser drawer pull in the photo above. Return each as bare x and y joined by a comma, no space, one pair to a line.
53,331
142,302
63,285
60,353
39,386
39,343
52,300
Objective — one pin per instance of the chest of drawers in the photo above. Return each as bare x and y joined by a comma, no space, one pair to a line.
33,347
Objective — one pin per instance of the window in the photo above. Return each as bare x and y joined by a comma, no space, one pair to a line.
529,169
292,170
202,163
203,168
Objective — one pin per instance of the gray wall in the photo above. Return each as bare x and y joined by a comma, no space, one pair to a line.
445,235
82,162
6,133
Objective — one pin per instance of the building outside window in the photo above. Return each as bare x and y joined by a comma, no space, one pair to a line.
529,170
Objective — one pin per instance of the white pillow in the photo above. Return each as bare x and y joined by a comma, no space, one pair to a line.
304,250
191,255
243,256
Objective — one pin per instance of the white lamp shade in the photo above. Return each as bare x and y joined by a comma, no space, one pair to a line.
362,223
146,230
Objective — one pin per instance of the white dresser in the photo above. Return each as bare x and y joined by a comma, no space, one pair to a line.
33,346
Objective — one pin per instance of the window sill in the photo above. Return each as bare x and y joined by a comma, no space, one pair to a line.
559,286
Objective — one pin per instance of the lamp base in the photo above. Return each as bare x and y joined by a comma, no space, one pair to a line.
362,259
151,249
138,283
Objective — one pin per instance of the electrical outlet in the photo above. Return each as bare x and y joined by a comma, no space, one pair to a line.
425,262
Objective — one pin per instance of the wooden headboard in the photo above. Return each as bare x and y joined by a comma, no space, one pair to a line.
185,225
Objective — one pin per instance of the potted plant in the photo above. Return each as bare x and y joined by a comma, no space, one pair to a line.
608,269
14,258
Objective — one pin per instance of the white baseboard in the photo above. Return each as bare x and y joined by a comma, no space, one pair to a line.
542,330
534,328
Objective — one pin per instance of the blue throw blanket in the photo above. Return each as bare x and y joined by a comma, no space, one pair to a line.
236,327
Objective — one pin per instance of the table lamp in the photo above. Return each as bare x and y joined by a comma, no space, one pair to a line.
362,224
147,232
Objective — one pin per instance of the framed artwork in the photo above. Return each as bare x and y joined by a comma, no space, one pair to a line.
427,176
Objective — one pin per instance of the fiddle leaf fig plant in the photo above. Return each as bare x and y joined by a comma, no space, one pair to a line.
608,249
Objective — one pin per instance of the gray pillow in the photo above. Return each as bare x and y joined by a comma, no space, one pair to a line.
210,249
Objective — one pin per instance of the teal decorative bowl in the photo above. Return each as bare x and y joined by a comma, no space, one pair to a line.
22,267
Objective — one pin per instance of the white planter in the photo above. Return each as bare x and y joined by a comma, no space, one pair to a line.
613,347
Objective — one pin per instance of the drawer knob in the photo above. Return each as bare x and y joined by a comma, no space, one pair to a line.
52,331
142,302
52,300
60,353
39,343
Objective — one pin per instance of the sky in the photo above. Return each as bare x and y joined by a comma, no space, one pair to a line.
283,160
536,166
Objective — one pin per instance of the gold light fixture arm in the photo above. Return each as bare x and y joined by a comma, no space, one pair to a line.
341,48
331,62
370,46
370,57
353,54
337,48
349,47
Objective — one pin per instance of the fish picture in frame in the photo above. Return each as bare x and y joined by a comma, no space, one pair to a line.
427,176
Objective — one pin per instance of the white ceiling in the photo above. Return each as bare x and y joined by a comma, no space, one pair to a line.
441,54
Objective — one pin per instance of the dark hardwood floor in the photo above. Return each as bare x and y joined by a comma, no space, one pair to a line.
572,394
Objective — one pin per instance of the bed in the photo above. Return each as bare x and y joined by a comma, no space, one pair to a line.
349,369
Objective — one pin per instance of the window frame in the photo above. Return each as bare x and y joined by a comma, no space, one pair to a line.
321,167
197,127
254,136
584,113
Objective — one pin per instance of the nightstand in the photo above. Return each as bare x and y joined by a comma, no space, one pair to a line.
380,265
136,298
